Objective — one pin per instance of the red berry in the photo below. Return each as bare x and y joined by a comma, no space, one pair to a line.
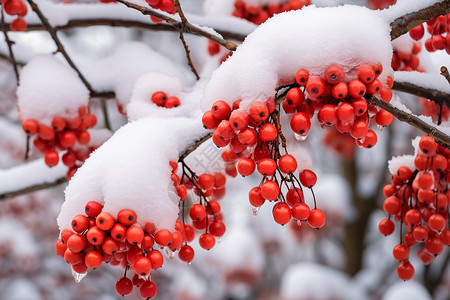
124,286
186,253
51,158
436,222
238,120
302,77
164,237
308,178
135,234
268,132
246,166
294,97
30,127
148,290
392,205
316,218
79,223
287,164
386,227
366,73
301,211
270,190
267,166
259,111
95,236
207,241
142,266
356,88
172,102
159,98
281,213
126,217
405,271
206,181
334,74
400,252
255,197
156,259
118,232
105,221
340,90
417,32
300,123
93,259
209,121
221,110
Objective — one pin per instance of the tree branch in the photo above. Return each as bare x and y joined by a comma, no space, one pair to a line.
440,137
407,22
438,97
444,72
60,47
183,23
33,188
187,28
11,57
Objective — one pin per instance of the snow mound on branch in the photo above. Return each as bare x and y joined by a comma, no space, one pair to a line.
119,71
57,91
431,81
131,170
407,290
141,104
311,38
403,7
308,280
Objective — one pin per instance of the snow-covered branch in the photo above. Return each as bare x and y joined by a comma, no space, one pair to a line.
437,88
407,22
185,27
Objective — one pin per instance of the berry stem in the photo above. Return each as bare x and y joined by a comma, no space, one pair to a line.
11,58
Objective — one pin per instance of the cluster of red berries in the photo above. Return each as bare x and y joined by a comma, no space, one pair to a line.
164,5
63,135
259,14
407,61
98,237
16,8
253,141
419,201
339,103
160,98
438,28
206,215
380,4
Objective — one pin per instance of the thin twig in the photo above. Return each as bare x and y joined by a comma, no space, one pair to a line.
439,97
60,47
440,137
11,57
407,22
187,28
183,23
33,188
444,72
195,146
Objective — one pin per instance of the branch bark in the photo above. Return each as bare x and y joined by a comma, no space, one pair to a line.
59,45
440,137
407,22
438,97
33,188
11,57
186,28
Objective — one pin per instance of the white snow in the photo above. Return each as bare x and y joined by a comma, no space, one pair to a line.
431,81
308,280
410,290
29,174
131,170
277,49
119,71
57,91
403,7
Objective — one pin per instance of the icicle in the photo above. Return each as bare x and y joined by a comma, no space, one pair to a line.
299,223
170,253
255,211
189,263
77,276
380,128
300,138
